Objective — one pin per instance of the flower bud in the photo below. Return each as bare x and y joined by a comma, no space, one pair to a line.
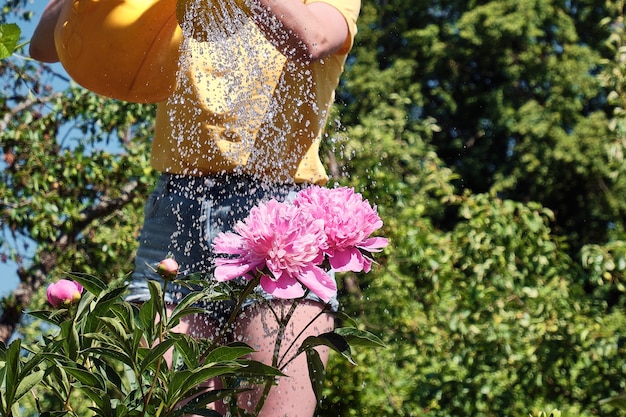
167,269
64,293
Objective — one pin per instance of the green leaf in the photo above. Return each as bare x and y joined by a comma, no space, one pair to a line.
184,381
70,339
228,353
85,309
111,374
53,414
85,376
4,404
31,363
196,411
188,348
12,367
138,340
91,283
618,401
343,317
9,36
113,354
258,369
48,316
27,383
356,337
317,372
182,309
156,295
206,397
100,398
156,353
332,340
106,298
147,318
117,331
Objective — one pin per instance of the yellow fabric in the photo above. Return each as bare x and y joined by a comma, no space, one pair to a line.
203,11
249,110
125,49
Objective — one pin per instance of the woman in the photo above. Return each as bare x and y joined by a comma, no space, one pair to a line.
243,124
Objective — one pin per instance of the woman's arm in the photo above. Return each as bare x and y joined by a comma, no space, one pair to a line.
42,43
306,32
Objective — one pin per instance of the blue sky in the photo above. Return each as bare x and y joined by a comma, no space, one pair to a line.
8,275
8,278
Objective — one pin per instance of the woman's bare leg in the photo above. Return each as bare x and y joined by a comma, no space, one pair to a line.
293,396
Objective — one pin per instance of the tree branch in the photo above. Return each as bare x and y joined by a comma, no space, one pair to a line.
23,105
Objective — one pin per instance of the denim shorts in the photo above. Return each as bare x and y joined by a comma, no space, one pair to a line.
182,217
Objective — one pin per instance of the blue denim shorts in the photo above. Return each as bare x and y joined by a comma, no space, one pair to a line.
182,217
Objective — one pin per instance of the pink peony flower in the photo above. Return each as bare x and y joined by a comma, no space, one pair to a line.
281,242
167,269
64,293
348,223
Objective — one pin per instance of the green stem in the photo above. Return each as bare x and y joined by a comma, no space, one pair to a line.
233,316
66,404
163,318
279,338
293,342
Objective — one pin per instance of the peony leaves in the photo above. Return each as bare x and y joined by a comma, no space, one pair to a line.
17,376
340,340
100,334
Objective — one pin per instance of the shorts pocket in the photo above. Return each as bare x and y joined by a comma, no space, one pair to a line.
206,218
154,200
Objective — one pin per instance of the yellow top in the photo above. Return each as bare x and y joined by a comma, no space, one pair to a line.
230,100
241,106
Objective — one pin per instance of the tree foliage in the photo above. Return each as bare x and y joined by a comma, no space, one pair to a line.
491,135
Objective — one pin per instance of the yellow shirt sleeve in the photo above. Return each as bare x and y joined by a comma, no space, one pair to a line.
125,49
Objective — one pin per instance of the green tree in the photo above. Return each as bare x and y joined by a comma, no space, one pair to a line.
491,135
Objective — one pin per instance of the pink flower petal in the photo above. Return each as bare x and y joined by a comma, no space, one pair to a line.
374,244
319,282
167,268
64,293
286,288
227,242
227,269
275,236
349,220
347,260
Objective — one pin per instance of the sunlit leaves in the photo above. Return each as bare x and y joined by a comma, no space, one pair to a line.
9,35
17,376
67,156
100,350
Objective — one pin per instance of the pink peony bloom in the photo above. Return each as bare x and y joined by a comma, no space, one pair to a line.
64,293
167,269
281,242
348,223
